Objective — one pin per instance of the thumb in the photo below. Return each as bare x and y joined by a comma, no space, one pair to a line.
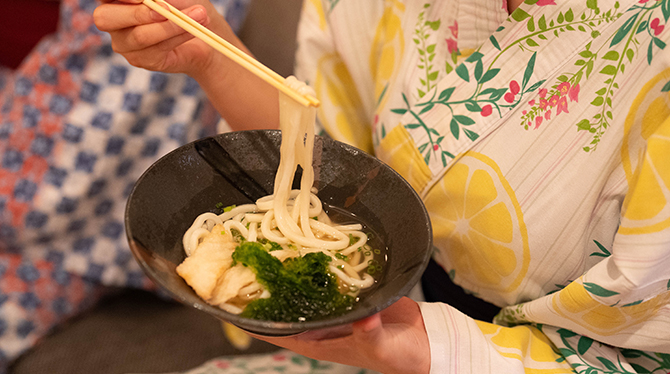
368,330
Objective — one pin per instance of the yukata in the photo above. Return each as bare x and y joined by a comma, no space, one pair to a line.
78,126
540,144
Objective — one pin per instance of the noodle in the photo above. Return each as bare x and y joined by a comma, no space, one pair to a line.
294,219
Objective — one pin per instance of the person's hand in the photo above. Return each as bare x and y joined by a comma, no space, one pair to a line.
147,40
393,341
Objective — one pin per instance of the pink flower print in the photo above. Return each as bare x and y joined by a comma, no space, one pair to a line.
538,121
553,101
279,357
547,115
514,87
486,110
543,104
574,93
563,88
545,2
532,102
642,1
655,25
659,30
222,364
436,147
509,97
562,105
454,29
452,45
524,112
543,93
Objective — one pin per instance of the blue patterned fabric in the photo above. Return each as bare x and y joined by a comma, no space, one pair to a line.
78,126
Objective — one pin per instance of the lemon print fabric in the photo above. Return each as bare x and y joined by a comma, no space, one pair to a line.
387,49
479,229
526,344
576,303
645,157
397,149
344,119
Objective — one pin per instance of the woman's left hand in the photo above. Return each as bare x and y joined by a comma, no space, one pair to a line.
392,341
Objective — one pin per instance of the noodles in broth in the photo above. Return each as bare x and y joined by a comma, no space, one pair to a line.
292,222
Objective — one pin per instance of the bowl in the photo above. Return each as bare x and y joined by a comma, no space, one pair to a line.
239,167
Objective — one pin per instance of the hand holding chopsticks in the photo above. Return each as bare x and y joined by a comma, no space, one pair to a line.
227,49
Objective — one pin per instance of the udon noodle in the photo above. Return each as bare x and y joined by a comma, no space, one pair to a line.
293,219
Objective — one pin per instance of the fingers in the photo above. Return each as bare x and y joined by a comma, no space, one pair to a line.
123,1
138,38
367,325
116,16
158,57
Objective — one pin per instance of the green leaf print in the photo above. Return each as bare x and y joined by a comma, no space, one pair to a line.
331,5
462,72
446,94
566,352
491,73
665,8
529,70
455,129
470,134
608,364
598,290
624,30
603,251
475,56
426,51
640,369
633,303
584,344
519,15
467,121
494,41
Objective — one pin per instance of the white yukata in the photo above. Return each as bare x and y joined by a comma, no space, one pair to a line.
540,143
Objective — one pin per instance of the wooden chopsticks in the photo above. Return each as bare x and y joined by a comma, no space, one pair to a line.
229,50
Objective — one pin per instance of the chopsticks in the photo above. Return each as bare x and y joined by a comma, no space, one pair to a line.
229,50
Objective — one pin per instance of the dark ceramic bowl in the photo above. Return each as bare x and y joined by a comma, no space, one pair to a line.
238,167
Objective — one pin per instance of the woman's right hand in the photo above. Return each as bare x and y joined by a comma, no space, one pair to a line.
147,40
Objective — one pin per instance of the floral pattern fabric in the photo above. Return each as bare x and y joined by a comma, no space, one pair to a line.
539,141
281,362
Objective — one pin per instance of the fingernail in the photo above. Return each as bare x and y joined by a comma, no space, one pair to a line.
198,14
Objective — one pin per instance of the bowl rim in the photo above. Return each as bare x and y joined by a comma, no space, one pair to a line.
271,328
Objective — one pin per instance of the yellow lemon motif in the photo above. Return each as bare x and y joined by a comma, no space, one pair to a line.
577,304
526,344
645,153
318,7
342,116
387,49
398,150
237,337
478,228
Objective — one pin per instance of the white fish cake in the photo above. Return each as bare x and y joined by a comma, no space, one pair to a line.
203,268
233,280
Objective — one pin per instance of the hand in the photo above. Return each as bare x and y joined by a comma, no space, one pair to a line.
147,40
393,341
